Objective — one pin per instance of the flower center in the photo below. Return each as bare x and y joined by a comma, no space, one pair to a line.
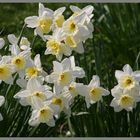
32,71
4,72
59,20
19,62
126,101
70,42
95,94
45,24
54,46
127,82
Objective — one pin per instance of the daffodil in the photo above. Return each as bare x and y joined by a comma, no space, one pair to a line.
43,113
2,100
88,10
20,59
93,92
42,23
124,99
6,70
127,79
64,73
35,68
56,46
34,90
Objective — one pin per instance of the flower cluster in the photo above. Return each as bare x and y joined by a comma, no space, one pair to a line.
127,93
67,35
48,94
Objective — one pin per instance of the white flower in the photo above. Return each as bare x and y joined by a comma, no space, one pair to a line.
127,79
42,114
6,70
94,92
2,100
124,99
20,59
42,23
35,68
88,11
72,90
2,43
60,102
24,43
55,46
34,90
64,73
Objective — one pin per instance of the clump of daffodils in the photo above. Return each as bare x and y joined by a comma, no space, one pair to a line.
67,34
62,36
126,93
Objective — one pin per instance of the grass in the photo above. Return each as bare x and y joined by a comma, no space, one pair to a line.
115,43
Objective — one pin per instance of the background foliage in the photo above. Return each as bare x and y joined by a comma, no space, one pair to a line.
116,42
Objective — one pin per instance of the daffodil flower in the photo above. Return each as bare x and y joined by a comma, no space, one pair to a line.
36,90
6,70
127,79
43,113
42,23
56,46
64,73
93,92
20,59
35,68
124,99
88,10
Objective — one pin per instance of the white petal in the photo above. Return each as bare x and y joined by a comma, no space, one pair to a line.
95,81
75,8
78,72
2,43
79,48
22,83
31,21
88,9
41,9
40,33
127,69
37,61
22,94
66,63
119,74
33,84
136,74
57,67
51,123
59,11
2,100
12,39
34,121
